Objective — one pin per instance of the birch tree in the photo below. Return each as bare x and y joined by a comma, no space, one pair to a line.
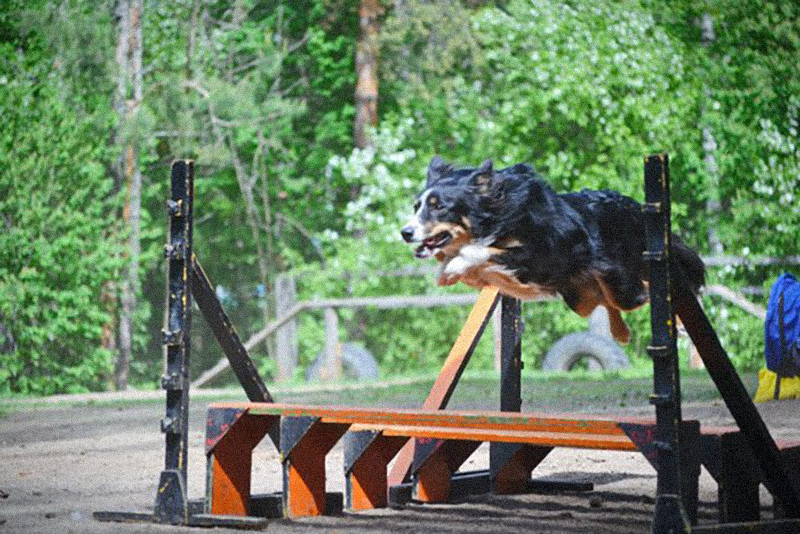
128,176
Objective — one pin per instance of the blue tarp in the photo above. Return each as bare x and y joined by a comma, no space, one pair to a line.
787,285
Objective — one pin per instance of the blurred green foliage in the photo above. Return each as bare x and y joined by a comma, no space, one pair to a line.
580,89
56,245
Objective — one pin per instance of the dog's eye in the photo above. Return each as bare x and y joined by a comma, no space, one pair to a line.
417,205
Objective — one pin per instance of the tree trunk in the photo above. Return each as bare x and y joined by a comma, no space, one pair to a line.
131,212
713,204
123,16
367,56
191,40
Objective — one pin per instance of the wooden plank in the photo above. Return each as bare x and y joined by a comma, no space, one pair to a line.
231,465
497,338
384,303
550,439
722,260
451,372
736,298
304,468
368,475
490,420
394,302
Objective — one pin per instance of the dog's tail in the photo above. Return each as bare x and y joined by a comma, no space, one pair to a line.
694,270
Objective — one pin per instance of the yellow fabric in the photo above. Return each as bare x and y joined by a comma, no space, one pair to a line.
790,387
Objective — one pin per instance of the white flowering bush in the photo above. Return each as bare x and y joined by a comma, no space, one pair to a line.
386,178
773,204
387,175
582,90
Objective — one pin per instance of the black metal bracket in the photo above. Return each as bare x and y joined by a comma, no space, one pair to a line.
292,430
354,444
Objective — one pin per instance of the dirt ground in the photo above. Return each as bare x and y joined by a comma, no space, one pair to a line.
61,463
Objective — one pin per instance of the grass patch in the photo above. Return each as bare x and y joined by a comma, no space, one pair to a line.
580,391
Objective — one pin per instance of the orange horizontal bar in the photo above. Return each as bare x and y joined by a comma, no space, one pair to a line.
550,439
503,421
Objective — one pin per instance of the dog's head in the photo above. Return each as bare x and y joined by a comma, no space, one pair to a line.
444,213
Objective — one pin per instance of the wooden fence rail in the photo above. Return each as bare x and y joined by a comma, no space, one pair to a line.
381,303
402,301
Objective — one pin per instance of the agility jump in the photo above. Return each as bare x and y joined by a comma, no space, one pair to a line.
427,468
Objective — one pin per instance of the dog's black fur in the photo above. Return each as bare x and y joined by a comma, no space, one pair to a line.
586,246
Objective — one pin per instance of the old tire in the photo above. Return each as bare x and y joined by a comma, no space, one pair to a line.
357,364
598,352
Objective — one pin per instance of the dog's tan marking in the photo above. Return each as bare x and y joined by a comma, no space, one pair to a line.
619,329
589,297
593,293
431,229
489,274
466,223
461,238
514,288
473,278
508,242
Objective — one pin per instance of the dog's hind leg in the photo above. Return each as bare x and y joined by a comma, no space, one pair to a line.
584,298
619,329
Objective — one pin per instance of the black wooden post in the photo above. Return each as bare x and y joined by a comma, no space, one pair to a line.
501,455
171,502
670,514
511,355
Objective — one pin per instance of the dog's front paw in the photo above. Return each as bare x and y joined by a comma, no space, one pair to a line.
446,279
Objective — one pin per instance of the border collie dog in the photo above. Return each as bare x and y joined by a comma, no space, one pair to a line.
509,229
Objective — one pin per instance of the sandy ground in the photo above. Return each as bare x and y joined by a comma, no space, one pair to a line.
60,464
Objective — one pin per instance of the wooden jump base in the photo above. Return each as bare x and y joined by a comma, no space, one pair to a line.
430,445
374,437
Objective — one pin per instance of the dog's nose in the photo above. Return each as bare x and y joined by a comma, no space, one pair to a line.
407,233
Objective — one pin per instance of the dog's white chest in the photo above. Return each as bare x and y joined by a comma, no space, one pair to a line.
469,256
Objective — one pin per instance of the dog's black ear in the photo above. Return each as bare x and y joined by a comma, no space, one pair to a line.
482,177
436,169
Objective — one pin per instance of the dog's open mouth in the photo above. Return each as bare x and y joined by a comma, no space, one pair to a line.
431,244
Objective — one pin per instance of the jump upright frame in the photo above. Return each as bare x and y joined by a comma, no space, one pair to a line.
429,445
